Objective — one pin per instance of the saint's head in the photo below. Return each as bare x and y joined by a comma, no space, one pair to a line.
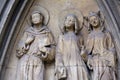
94,19
36,18
70,23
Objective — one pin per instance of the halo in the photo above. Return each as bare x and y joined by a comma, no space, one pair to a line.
74,11
42,10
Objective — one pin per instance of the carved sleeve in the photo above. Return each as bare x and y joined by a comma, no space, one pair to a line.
50,47
80,41
82,48
59,61
21,46
111,51
89,45
52,41
110,44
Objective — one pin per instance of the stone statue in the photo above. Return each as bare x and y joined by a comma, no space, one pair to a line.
69,63
35,48
101,50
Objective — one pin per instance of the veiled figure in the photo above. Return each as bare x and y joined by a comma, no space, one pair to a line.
101,50
35,47
69,63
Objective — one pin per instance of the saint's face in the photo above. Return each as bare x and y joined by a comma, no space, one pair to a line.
36,18
69,21
94,21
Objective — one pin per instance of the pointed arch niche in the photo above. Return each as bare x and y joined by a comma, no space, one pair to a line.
13,27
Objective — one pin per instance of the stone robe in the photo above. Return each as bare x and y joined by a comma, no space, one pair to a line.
31,65
101,52
68,57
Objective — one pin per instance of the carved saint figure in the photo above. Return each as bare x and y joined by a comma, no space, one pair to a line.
101,50
69,63
36,47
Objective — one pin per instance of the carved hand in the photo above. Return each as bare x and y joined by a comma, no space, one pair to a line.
21,52
61,73
43,53
90,63
82,50
83,53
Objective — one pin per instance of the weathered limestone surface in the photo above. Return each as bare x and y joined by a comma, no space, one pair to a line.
55,9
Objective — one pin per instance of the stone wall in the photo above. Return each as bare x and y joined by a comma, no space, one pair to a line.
14,20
